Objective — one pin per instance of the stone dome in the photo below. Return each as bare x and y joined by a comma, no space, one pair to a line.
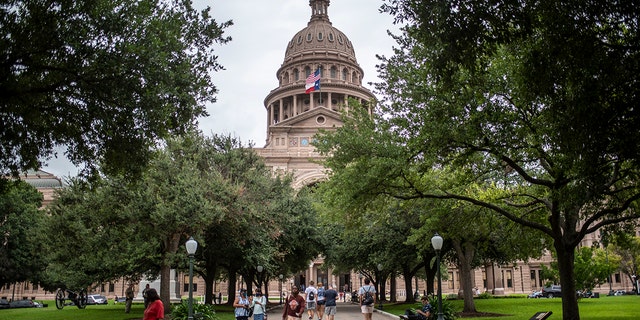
320,35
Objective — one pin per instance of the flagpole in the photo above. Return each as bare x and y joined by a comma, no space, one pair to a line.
320,90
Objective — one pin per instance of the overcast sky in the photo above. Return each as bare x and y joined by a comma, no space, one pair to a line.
260,34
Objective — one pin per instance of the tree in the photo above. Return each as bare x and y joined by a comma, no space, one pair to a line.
92,235
106,79
593,267
21,223
627,249
497,94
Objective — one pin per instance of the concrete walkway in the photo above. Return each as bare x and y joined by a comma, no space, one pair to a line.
345,311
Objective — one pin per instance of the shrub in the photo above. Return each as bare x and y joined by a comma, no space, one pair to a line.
200,311
485,295
448,310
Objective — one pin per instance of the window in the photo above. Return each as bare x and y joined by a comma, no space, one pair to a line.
533,279
319,36
334,72
307,72
450,281
344,74
309,37
186,287
296,74
509,279
331,37
112,287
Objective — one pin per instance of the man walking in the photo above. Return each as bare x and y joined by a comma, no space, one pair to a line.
367,297
293,306
311,293
330,297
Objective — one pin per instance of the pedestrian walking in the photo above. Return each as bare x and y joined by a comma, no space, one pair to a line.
259,304
311,294
294,305
241,305
155,308
320,301
367,297
330,306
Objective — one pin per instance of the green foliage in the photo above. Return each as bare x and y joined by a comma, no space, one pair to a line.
494,108
107,79
21,223
200,311
449,311
593,267
485,295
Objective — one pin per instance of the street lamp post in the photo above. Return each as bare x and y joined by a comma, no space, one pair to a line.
280,276
192,246
259,269
436,242
380,293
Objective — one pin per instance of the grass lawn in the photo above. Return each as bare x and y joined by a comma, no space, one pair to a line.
604,308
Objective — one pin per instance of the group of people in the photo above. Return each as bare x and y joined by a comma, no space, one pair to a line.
318,302
255,305
153,306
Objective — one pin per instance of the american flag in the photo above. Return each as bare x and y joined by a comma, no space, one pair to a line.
313,82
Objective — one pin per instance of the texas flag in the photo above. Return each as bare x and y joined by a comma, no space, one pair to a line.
313,82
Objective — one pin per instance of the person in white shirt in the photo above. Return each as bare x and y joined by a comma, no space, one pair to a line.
365,306
259,304
311,296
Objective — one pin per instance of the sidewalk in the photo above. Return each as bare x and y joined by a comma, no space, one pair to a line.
345,311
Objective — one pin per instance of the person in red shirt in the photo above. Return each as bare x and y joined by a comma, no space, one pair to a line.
155,309
294,306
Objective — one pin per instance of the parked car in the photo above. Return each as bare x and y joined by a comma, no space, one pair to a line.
26,303
535,295
619,293
4,304
120,300
552,292
96,299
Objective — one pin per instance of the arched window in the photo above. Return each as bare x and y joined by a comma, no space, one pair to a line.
286,77
334,72
307,72
296,74
344,74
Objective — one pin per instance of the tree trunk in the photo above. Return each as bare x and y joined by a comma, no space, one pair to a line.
165,285
408,276
383,288
566,255
394,288
209,281
171,244
232,287
465,252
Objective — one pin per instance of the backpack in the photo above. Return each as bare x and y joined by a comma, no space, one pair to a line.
368,298
311,295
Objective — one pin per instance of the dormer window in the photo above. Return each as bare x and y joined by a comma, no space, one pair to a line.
319,36
331,37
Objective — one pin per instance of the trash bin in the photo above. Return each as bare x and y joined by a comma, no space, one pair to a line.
595,295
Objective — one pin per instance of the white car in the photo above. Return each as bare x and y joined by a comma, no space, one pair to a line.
96,299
